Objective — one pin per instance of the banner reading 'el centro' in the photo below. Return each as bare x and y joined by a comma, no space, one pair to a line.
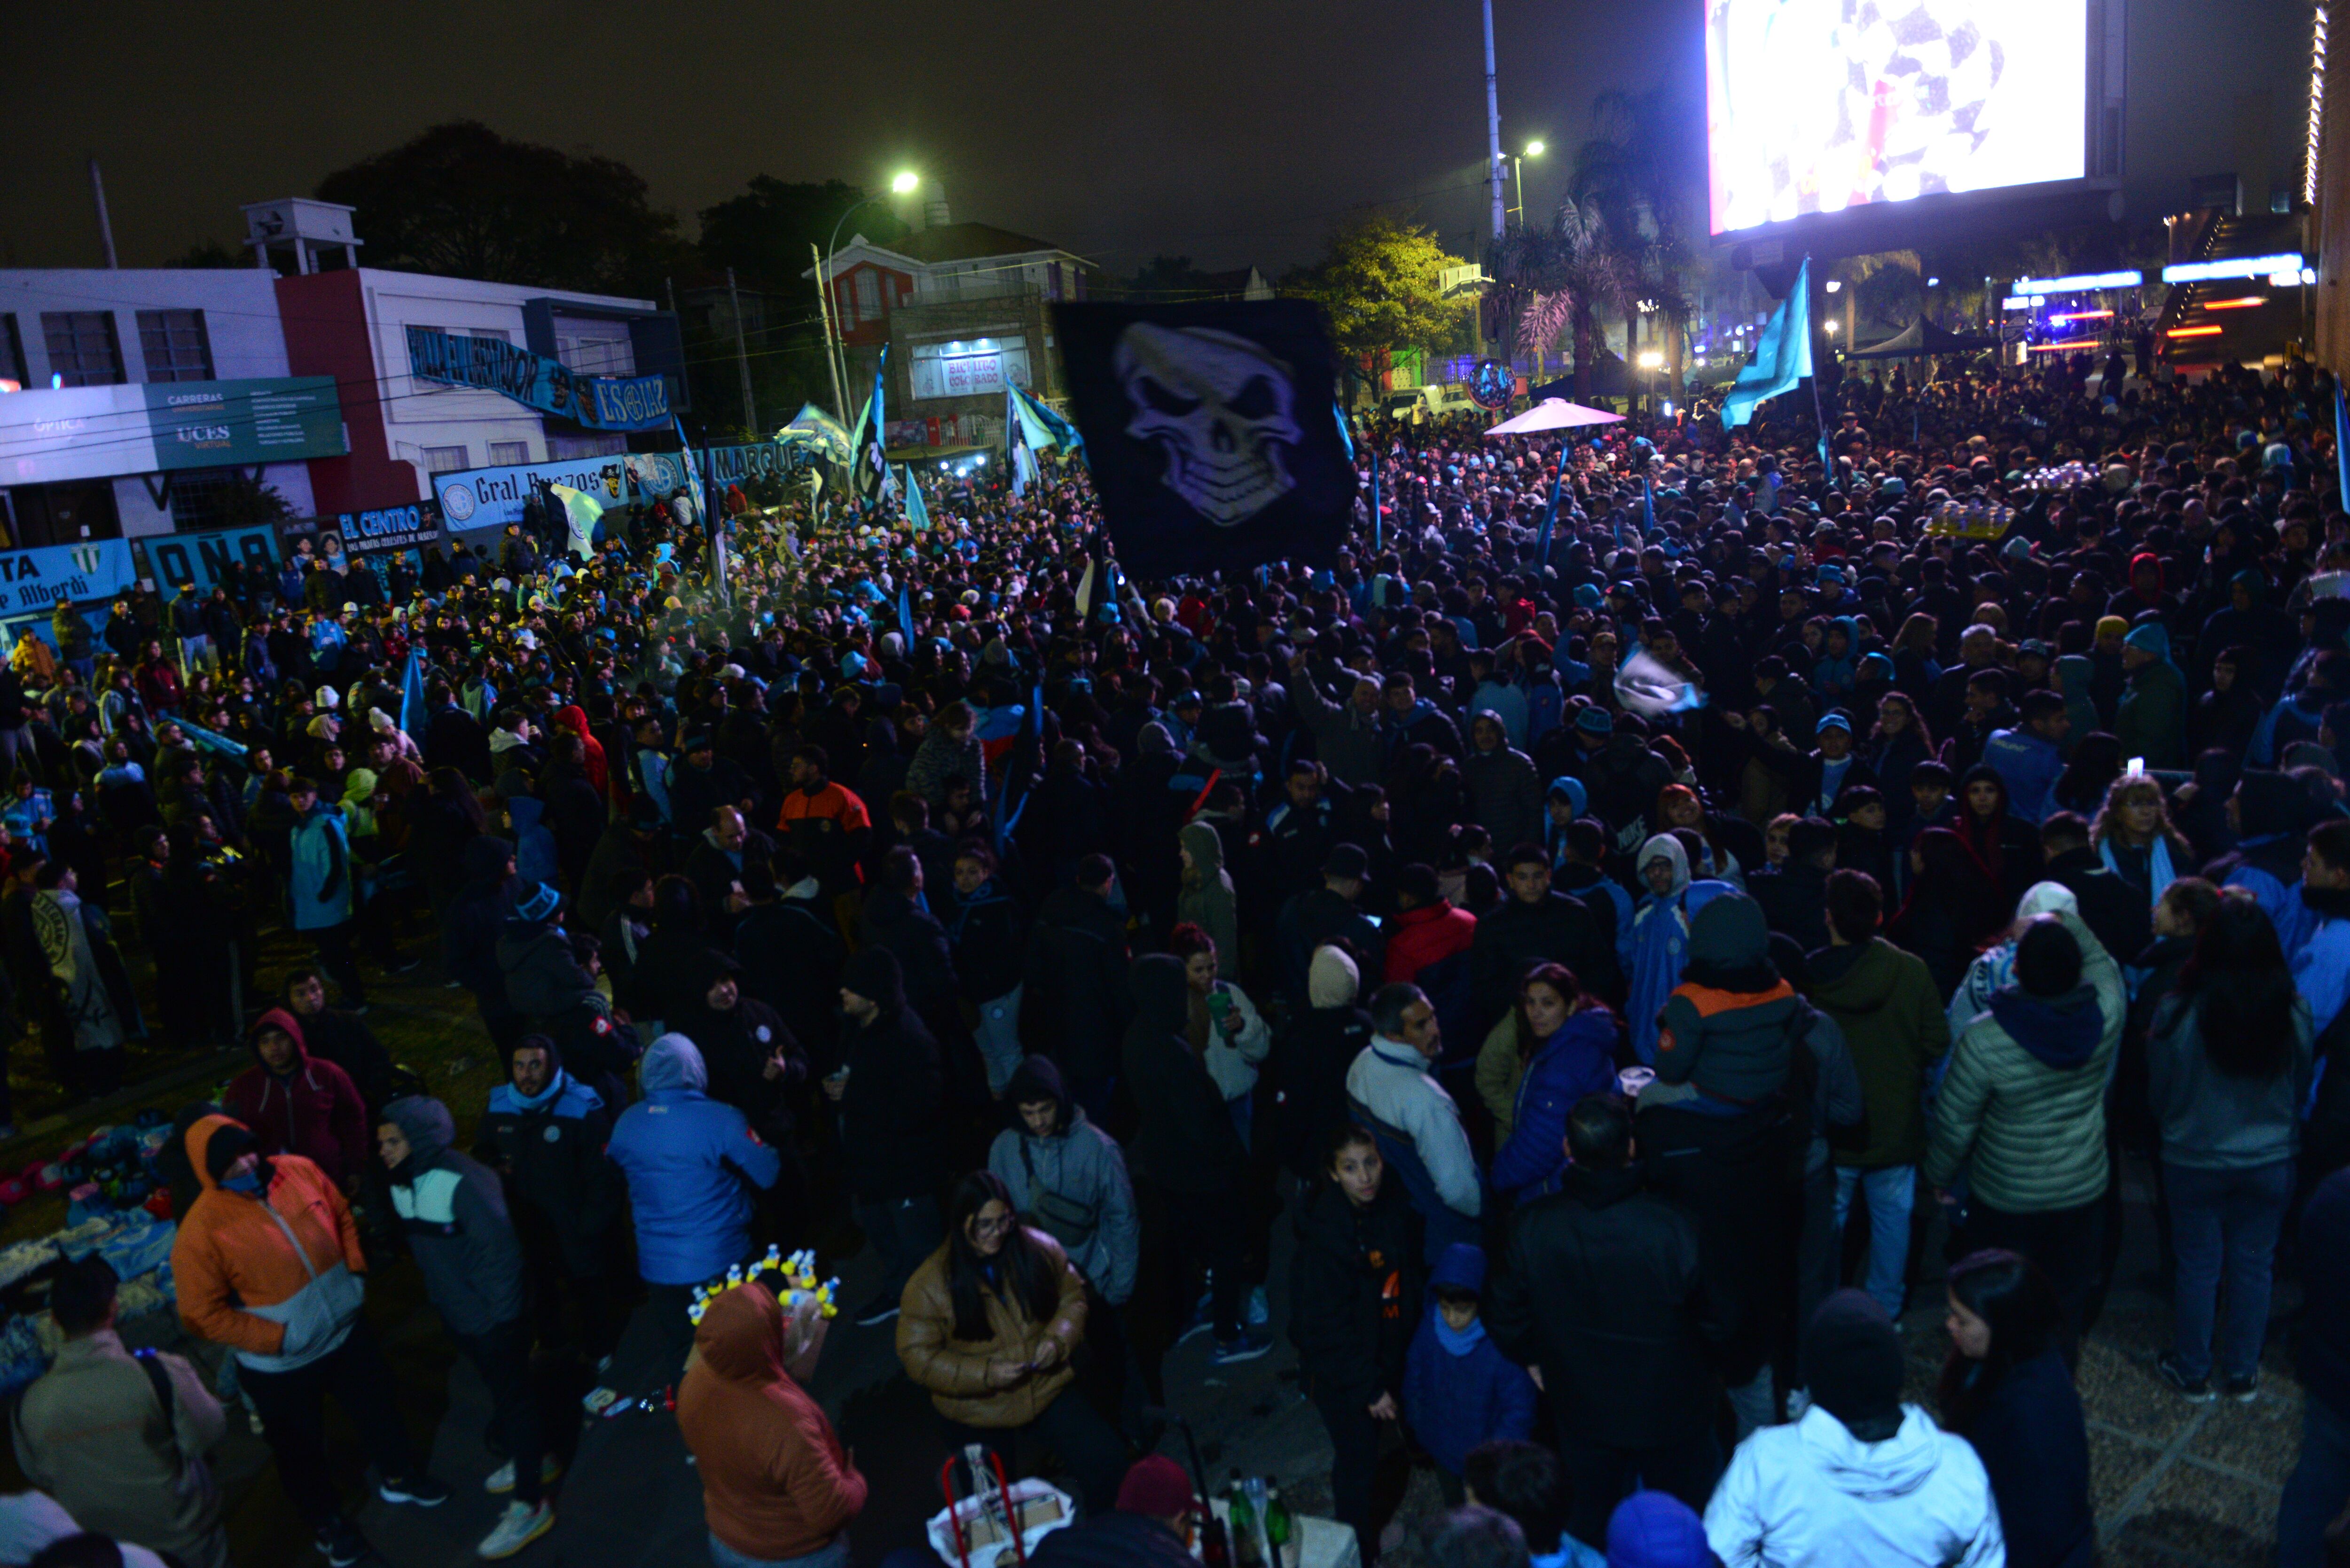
495,365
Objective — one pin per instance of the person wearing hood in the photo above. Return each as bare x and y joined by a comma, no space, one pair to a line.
1356,1265
294,1102
890,1091
1567,1041
688,1159
1886,1004
1459,1388
2151,722
268,1263
2021,1110
2229,1066
1602,1290
1505,793
1189,1162
544,981
454,1212
1310,1058
1863,1479
1657,946
572,720
1068,1178
777,1485
1744,1065
544,1131
1207,900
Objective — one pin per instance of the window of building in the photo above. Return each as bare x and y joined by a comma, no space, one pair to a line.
868,294
199,496
509,454
499,333
443,459
83,348
12,351
175,346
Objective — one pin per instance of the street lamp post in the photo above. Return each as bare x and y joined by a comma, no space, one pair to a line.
835,350
1517,176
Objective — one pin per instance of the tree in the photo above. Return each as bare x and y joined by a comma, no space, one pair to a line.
764,233
210,254
1382,288
1643,158
462,201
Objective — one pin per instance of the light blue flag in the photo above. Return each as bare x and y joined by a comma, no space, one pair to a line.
1647,509
1344,433
1781,358
906,618
1015,443
918,510
1549,513
818,430
411,692
1042,426
2341,447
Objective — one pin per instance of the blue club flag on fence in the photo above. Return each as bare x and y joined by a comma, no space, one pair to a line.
1782,357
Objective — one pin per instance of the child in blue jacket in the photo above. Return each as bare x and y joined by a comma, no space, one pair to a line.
1459,1389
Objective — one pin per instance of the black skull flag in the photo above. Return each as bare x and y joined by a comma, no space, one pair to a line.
1211,431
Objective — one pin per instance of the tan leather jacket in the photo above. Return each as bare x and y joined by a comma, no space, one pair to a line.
955,1370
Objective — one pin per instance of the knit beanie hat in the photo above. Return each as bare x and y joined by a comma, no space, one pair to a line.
1155,1486
1332,979
1852,1359
1657,1530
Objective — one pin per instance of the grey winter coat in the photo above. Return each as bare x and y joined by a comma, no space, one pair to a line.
1083,1164
2212,1121
1349,744
455,1215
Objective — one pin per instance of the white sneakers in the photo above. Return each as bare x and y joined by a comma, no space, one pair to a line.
500,1482
519,1526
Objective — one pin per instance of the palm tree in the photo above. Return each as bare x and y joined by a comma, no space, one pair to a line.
1631,173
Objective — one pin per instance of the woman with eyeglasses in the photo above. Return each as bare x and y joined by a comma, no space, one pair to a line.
991,1327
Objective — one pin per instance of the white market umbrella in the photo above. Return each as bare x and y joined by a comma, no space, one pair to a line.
1554,414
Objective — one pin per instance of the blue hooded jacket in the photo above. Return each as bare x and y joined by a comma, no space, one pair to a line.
681,1152
1459,1389
1576,1061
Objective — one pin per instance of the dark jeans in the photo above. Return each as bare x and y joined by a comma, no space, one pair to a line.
2062,1241
334,947
652,1349
502,1356
2318,1487
2225,1220
1089,1446
1210,1234
1354,1465
293,1411
1599,1477
902,1232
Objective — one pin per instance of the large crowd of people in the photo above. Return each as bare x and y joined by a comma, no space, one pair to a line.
1569,957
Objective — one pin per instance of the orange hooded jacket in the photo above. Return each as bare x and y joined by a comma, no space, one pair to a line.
277,1281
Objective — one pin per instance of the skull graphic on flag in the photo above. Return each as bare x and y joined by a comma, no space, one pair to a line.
1197,430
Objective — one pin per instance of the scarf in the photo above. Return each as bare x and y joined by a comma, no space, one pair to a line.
554,1086
2159,874
1458,1341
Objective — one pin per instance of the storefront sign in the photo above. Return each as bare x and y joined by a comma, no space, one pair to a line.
203,559
483,498
37,580
495,365
211,424
410,527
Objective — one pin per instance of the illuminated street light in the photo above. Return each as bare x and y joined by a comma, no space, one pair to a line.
1651,359
1834,284
905,182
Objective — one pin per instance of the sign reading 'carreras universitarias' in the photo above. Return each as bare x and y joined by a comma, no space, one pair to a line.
495,365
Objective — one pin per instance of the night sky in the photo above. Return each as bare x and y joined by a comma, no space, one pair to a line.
1236,131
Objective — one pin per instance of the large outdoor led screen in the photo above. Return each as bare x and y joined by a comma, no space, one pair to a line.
1814,106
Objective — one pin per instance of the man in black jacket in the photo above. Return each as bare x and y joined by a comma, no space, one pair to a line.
1794,898
544,1133
892,1090
726,850
1075,1002
2116,913
1537,924
790,950
1601,1295
1334,909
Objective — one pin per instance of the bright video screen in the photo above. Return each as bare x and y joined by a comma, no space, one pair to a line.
1814,106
